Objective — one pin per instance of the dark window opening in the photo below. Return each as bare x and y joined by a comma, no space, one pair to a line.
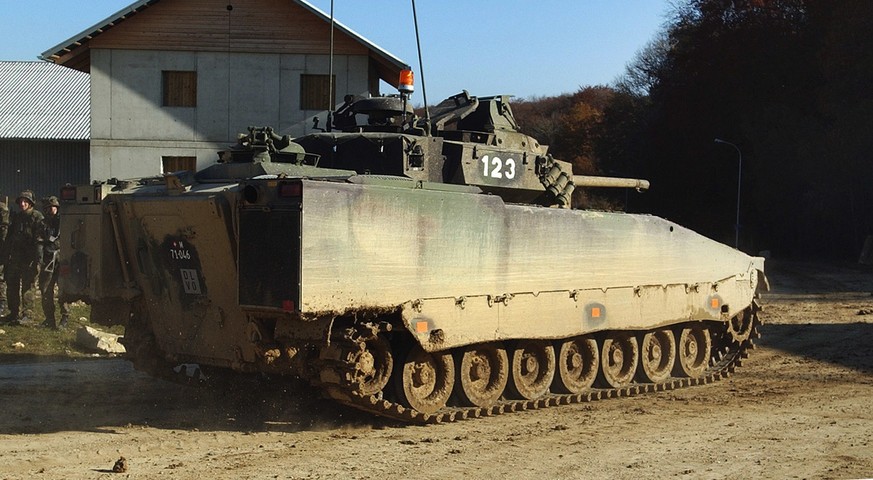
175,164
179,89
315,92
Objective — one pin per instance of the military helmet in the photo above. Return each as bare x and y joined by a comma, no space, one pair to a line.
52,201
27,195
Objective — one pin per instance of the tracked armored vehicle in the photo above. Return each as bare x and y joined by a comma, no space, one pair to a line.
422,269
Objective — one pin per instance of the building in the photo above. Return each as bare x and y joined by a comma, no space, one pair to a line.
44,128
175,81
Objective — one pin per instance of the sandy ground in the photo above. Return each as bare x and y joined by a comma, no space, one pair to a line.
801,407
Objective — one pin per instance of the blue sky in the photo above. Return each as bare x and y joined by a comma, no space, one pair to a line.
524,48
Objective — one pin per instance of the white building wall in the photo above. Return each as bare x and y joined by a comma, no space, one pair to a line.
131,131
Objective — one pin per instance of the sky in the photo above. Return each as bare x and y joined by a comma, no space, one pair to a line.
525,48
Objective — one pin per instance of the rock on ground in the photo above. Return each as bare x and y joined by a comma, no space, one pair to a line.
96,340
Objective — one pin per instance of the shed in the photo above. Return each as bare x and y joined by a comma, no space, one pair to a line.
175,81
44,127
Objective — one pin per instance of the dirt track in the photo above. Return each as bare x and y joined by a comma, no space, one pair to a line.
801,407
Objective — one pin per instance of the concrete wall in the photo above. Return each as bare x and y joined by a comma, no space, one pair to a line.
131,131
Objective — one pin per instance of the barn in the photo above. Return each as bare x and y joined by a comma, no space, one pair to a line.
44,128
172,82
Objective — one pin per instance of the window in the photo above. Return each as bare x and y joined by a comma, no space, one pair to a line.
315,92
175,164
179,89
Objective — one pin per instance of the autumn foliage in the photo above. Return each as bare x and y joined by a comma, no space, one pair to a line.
571,125
788,82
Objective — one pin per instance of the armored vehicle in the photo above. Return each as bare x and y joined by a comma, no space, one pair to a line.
425,269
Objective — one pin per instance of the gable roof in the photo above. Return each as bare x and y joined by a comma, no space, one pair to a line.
73,52
44,101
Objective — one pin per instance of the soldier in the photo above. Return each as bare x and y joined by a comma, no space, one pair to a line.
20,257
4,227
48,274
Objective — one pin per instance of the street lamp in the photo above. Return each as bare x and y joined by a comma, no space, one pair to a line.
739,183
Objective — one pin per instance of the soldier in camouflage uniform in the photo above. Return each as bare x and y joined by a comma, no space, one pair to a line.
4,227
48,274
20,257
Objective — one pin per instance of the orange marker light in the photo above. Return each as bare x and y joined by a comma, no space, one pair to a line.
290,190
595,312
713,303
420,327
68,193
288,305
407,81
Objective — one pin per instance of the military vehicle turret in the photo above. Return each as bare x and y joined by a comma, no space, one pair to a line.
425,269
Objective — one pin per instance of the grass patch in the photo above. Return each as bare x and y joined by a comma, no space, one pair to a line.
34,342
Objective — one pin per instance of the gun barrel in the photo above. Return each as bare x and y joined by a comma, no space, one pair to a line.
610,182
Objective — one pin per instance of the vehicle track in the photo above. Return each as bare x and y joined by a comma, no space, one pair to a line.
724,361
726,356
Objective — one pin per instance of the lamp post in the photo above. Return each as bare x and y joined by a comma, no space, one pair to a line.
739,183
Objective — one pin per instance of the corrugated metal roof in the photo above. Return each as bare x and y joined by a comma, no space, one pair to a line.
44,101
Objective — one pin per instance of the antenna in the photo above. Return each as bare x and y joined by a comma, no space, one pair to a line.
421,69
330,101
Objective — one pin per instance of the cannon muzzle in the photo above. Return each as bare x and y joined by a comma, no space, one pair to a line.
610,182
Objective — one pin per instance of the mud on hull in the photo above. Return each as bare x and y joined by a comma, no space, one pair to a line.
430,297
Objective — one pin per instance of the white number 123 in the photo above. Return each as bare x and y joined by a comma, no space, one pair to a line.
498,168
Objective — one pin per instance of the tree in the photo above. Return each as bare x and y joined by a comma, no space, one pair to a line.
571,124
785,80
